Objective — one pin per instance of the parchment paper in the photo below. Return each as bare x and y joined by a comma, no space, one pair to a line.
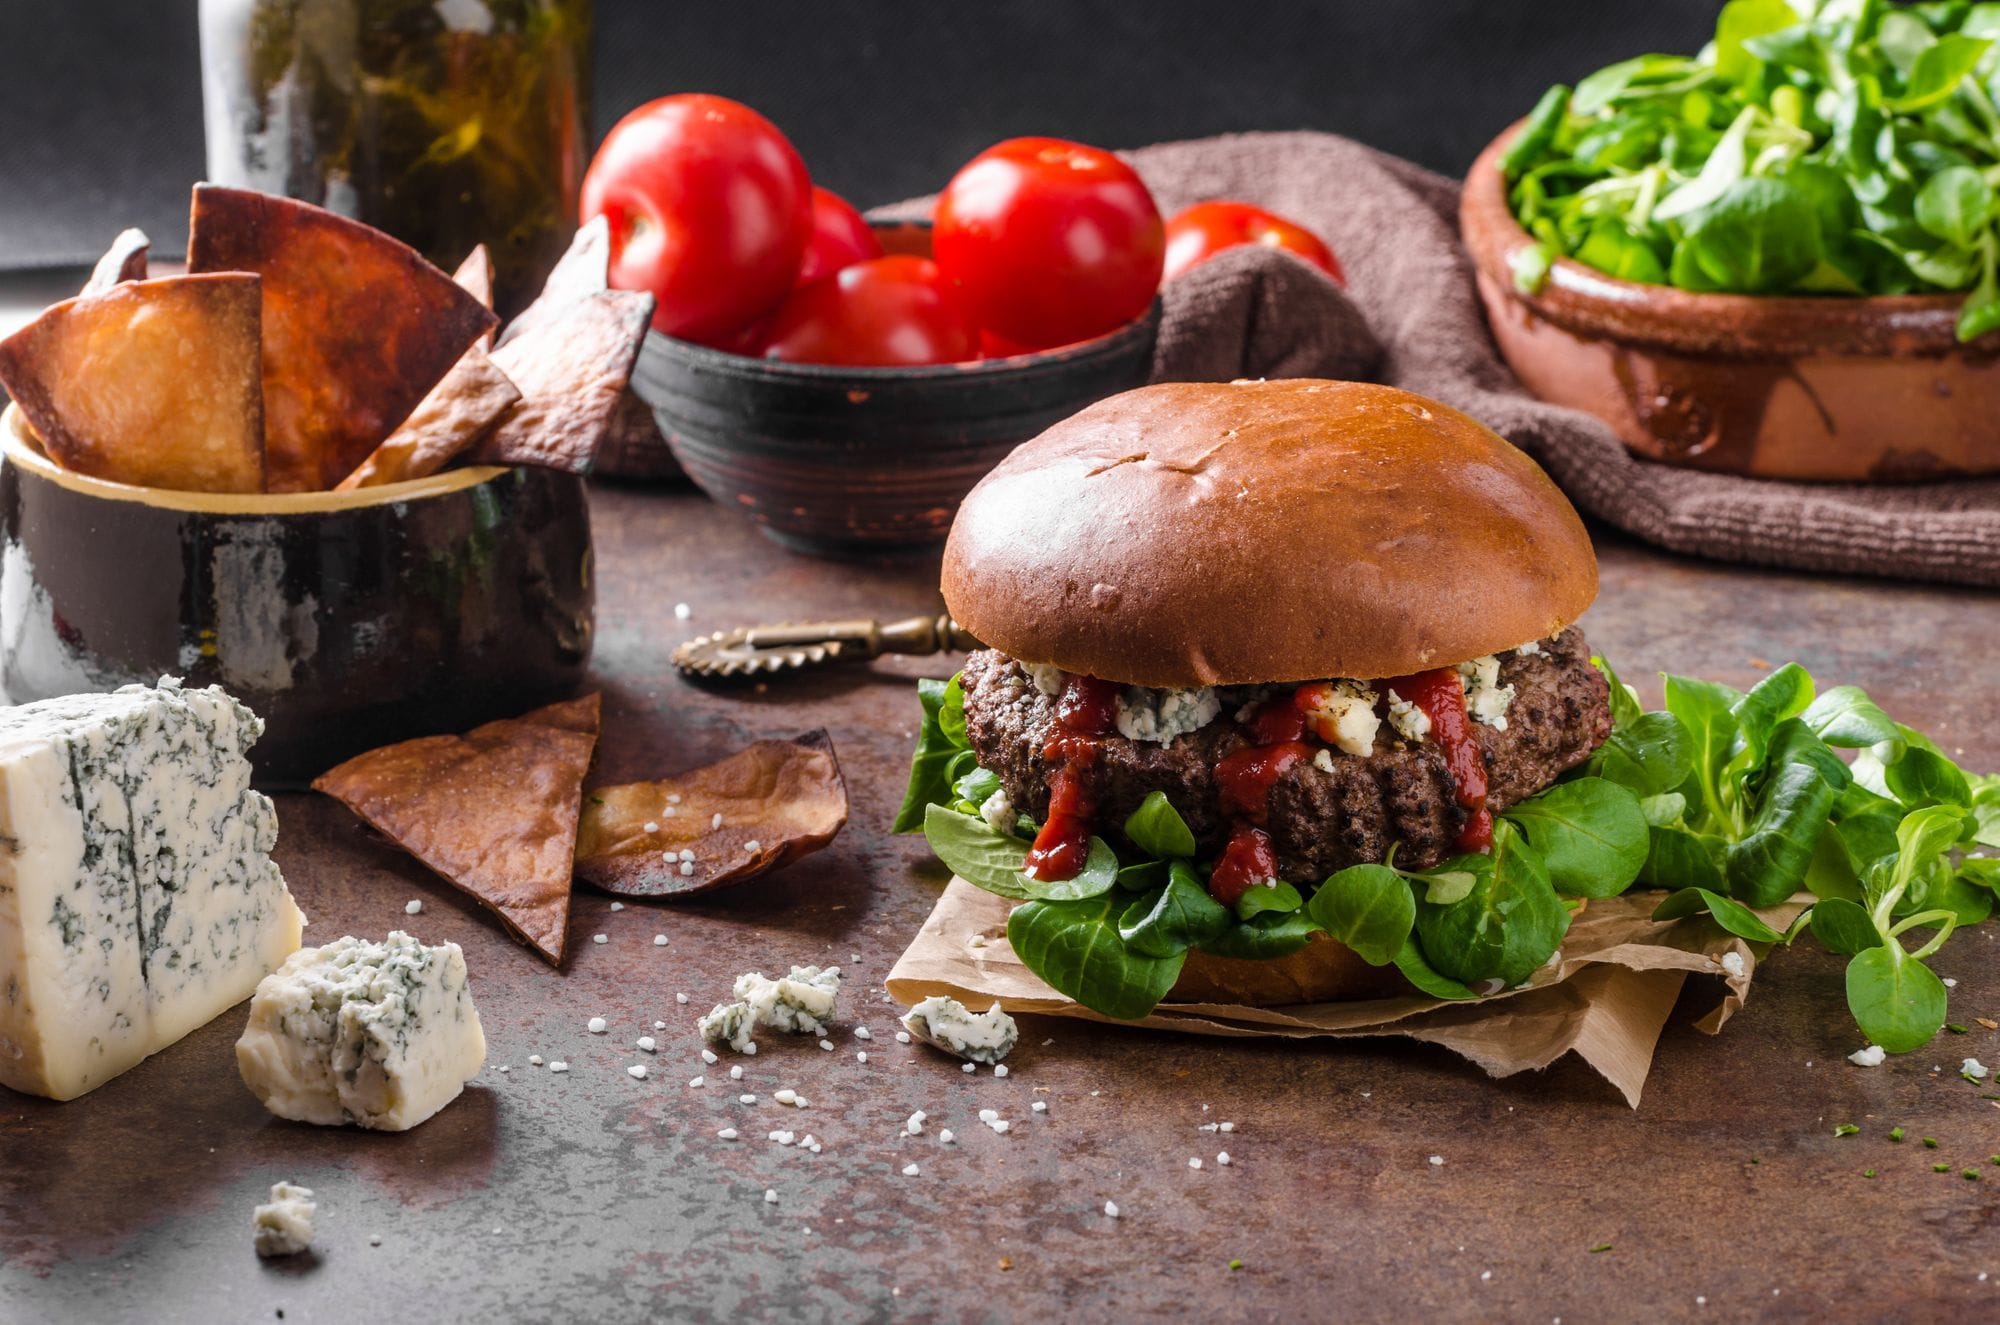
1605,996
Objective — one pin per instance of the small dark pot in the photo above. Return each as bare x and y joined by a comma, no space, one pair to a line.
841,461
345,620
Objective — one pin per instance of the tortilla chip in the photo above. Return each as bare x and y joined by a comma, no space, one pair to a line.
154,383
572,372
475,277
124,261
777,801
582,271
357,327
460,410
493,811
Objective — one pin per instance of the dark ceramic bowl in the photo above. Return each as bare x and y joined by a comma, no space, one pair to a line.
1795,387
847,461
346,620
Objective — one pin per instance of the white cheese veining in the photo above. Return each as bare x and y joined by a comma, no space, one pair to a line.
381,1035
979,1037
138,898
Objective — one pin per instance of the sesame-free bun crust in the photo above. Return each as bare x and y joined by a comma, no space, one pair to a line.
1194,534
1324,971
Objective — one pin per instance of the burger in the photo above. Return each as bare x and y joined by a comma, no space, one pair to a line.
1282,701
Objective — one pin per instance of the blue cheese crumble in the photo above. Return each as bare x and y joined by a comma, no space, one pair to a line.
1161,715
1486,700
801,1001
284,1225
979,1037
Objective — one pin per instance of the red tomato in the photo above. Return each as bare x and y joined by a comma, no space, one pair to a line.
1207,228
1049,242
884,311
710,209
840,238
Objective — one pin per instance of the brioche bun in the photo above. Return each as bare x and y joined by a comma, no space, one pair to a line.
1196,534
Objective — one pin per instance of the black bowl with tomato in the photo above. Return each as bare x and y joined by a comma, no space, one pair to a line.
837,459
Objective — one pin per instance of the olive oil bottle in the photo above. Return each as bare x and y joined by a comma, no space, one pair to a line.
445,122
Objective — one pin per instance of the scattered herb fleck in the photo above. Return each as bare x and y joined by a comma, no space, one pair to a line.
1236,1265
1846,1129
1895,1133
1602,1246
1940,1168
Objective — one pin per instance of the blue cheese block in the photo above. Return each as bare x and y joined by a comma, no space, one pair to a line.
381,1035
138,898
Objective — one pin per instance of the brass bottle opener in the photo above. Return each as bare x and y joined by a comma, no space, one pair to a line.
750,650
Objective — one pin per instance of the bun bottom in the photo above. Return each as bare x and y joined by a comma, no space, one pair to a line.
1323,971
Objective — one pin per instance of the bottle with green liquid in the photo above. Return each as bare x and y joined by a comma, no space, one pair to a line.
446,123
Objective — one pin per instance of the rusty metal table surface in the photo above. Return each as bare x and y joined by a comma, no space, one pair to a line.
596,1197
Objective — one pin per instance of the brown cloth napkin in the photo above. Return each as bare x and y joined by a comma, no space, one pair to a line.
1411,317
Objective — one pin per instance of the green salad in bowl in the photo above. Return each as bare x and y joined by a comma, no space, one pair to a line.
1845,147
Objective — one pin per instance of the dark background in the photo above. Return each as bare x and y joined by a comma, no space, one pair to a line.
100,100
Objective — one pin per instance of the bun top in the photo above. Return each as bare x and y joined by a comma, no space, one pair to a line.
1195,534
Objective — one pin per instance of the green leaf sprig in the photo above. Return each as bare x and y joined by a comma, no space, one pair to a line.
1814,147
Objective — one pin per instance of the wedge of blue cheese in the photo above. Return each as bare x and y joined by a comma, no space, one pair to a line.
138,898
381,1035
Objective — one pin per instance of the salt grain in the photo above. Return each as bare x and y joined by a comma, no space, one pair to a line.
600,938
597,1025
1040,1106
558,1066
1194,1161
736,1073
752,845
999,1069
902,1037
861,1033
727,1134
1111,1209
649,1044
708,1056
1223,1159
910,1170
637,1071
946,1137
413,907
770,1196
1437,1161
682,611
697,1082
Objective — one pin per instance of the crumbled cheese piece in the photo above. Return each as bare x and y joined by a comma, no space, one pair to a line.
660,941
1040,1106
1048,678
558,1066
988,1115
910,1170
998,812
708,1056
1437,1161
1410,722
736,1074
727,1134
1732,962
648,1043
1194,1161
999,1069
1343,715
752,846
1000,1126
412,907
618,906
600,938
861,1033
597,1026
1486,700
946,1137
284,1226
637,1071
1225,1127
770,1196
1222,1158
915,1124
984,1037
1111,1209
902,1037
697,1082
800,1001
968,1067
746,1099
1972,1070
1871,1056
861,1057
1161,715
827,1045
1323,760
1531,649
534,1060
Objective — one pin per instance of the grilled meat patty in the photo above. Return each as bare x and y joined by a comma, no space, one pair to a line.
1319,821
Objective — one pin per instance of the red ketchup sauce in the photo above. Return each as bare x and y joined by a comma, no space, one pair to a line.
1248,860
1086,711
1243,781
1442,698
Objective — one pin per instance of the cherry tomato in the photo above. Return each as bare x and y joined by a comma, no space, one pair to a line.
710,209
1207,228
840,238
1049,242
884,311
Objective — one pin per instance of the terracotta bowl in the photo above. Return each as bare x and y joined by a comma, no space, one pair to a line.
851,461
346,620
1841,388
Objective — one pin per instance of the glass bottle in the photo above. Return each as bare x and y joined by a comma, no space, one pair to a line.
445,122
